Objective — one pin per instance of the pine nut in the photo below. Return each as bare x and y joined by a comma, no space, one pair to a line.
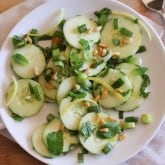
36,70
77,86
97,29
102,45
104,130
122,136
49,85
97,98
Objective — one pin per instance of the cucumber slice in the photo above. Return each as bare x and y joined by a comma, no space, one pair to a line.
25,103
124,49
135,100
72,34
94,144
38,143
50,92
112,100
97,70
64,88
36,61
74,110
56,125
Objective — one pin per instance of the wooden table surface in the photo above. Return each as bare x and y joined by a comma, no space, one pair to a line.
11,153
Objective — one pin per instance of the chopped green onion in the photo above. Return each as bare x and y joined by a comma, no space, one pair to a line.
121,114
129,125
20,59
116,23
82,28
80,157
131,119
85,44
107,148
118,83
141,49
17,41
124,31
103,15
116,42
146,118
93,109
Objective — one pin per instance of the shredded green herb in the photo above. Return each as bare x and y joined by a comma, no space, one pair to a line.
20,59
55,142
118,83
35,91
82,28
141,49
107,148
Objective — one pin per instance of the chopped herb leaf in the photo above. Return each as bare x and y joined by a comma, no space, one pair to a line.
58,34
141,70
116,23
103,15
55,142
76,61
16,117
118,83
124,31
82,28
107,148
116,42
87,129
141,49
35,91
85,44
113,129
20,59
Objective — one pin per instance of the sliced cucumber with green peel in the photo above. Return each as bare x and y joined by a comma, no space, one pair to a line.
73,36
117,42
93,143
120,86
38,143
56,125
28,100
64,88
49,93
74,110
28,61
136,99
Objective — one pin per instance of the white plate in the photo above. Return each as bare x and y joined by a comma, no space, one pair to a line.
154,59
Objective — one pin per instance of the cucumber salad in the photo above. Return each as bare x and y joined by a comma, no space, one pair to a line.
88,67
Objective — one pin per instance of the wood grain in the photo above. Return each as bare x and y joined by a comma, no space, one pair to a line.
6,4
11,153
